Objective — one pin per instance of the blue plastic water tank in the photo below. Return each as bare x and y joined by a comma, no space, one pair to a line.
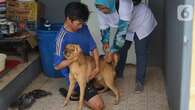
46,43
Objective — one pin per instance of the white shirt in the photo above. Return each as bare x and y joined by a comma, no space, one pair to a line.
142,22
111,20
125,9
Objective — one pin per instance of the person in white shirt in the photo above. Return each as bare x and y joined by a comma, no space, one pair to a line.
135,22
141,25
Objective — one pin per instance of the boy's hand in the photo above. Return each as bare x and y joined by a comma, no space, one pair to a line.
94,73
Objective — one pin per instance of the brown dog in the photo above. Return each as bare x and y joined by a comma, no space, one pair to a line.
80,70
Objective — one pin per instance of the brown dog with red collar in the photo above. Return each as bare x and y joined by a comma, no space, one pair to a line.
80,70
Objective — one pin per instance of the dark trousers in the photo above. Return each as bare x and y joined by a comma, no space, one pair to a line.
141,50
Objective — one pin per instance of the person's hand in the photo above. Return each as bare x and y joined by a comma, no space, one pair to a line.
108,57
105,47
94,73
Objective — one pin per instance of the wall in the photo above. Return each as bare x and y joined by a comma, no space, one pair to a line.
178,54
192,86
156,52
174,38
54,10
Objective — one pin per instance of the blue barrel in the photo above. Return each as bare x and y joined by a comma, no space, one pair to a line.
46,44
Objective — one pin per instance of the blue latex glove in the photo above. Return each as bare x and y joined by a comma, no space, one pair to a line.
119,38
105,35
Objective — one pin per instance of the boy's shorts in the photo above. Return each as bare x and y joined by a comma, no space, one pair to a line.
90,91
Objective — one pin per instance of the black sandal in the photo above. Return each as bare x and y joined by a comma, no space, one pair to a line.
64,92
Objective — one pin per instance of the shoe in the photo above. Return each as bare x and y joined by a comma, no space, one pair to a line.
38,93
64,92
119,73
139,88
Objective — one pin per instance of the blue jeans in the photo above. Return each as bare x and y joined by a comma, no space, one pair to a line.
141,50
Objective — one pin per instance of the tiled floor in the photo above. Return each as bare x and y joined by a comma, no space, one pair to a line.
153,97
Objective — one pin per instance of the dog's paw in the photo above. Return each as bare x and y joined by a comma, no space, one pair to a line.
65,102
116,102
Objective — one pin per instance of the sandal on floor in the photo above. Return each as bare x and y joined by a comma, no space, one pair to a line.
64,92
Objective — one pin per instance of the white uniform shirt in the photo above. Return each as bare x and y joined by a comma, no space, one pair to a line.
111,20
125,9
142,22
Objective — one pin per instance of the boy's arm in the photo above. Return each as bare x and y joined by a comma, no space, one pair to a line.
95,55
63,64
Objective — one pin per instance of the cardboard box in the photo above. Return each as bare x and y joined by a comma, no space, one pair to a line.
18,11
29,11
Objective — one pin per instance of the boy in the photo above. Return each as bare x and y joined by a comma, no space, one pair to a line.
75,31
141,26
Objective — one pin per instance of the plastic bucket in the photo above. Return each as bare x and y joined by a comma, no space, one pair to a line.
2,61
46,43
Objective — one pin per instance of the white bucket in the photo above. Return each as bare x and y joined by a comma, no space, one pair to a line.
2,61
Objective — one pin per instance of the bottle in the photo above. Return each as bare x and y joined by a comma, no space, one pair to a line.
11,27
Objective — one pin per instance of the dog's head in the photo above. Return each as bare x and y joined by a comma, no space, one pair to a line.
72,51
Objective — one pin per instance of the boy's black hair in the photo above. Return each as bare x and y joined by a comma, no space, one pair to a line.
77,11
136,2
